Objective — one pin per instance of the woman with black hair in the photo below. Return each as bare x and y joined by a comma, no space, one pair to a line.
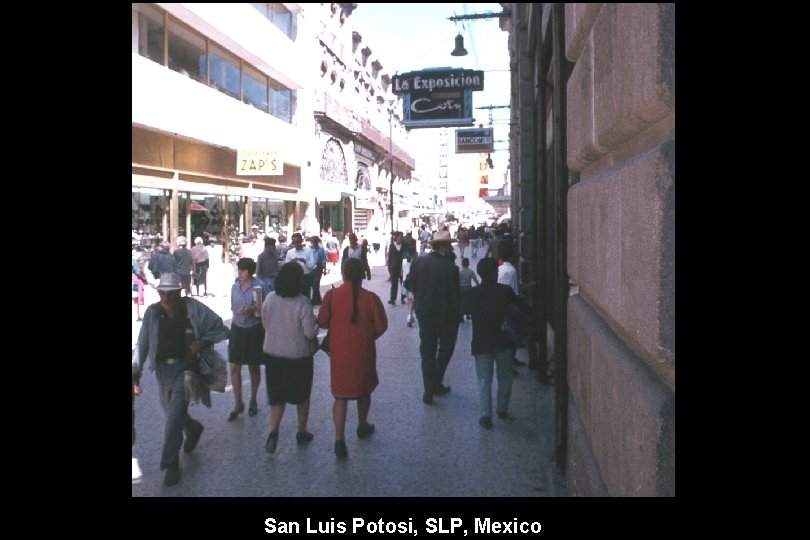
247,335
355,318
290,339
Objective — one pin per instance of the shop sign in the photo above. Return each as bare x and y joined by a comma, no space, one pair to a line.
260,162
473,141
435,80
437,109
361,150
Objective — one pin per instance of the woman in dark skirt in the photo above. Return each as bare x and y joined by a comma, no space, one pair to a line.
247,336
290,341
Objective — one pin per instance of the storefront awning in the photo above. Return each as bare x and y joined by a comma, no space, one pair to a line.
332,192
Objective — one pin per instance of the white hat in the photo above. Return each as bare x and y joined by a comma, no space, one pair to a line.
440,236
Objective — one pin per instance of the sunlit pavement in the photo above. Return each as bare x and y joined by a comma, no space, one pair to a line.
416,450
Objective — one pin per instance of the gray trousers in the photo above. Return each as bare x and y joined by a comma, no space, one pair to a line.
175,405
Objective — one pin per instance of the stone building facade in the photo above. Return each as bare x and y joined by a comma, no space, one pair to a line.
593,159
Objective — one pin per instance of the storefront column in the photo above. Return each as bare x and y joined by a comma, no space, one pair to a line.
188,219
249,211
226,219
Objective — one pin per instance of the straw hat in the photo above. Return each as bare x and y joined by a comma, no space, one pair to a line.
440,236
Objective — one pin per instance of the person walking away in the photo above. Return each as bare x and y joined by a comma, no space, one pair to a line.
199,265
364,259
394,252
267,264
319,260
466,276
356,319
332,248
434,281
162,262
491,345
182,263
475,241
175,331
353,250
282,247
463,238
290,340
247,335
424,239
138,282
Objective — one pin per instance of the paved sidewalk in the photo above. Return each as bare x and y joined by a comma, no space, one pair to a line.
417,450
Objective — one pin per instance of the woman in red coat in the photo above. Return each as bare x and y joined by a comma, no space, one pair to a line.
355,318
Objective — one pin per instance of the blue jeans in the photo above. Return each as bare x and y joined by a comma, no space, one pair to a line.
483,371
435,334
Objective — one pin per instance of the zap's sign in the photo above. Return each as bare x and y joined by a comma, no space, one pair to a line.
262,162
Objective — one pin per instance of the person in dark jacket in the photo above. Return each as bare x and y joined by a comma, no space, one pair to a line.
491,345
394,253
434,281
182,263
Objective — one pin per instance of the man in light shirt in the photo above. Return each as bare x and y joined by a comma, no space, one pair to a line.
301,254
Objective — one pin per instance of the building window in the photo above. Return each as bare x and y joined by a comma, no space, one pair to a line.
186,51
333,164
219,69
281,101
280,16
254,88
150,33
224,71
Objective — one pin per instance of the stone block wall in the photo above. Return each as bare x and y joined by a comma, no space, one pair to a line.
621,249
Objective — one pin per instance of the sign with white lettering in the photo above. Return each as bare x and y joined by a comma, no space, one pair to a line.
472,141
434,80
262,162
423,108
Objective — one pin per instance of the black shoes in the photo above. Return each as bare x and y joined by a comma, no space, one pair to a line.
391,303
427,398
516,362
403,300
236,412
253,410
303,437
192,438
502,415
272,441
340,450
485,422
365,431
172,475
441,390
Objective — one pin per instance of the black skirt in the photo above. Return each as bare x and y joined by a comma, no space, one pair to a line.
289,380
245,345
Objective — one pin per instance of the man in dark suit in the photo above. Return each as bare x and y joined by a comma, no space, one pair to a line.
393,259
434,281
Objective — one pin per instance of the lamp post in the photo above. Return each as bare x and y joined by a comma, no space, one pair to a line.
391,163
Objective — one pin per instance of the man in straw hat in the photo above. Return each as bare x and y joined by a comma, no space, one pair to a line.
433,280
175,331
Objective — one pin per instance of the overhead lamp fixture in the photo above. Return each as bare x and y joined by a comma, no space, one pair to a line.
459,50
488,15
